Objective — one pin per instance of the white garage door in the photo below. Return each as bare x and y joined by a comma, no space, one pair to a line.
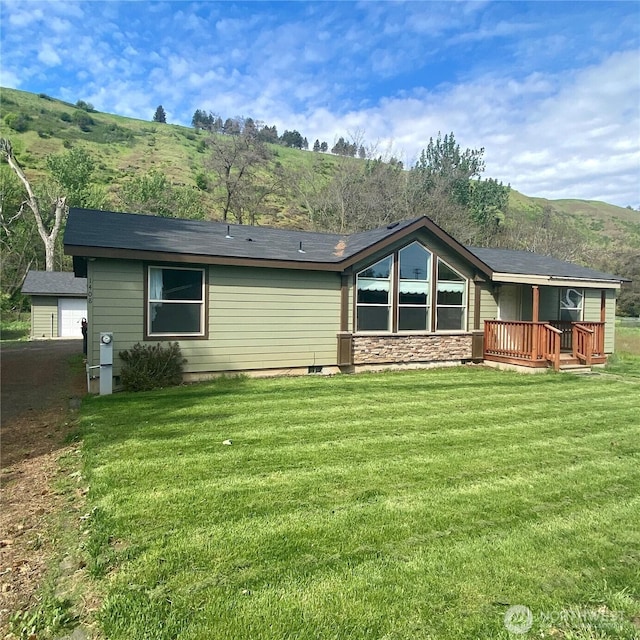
70,314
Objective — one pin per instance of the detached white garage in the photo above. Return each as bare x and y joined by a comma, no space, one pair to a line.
58,304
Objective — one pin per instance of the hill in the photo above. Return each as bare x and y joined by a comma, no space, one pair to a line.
126,147
132,158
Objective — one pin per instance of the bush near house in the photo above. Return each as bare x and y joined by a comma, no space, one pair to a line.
151,366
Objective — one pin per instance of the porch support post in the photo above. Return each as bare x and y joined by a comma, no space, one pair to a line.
603,305
535,312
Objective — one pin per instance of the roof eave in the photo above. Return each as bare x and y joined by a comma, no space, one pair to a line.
191,258
555,281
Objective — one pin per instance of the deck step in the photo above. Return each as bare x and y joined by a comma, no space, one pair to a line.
575,368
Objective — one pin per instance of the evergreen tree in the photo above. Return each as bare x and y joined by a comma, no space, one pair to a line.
316,145
250,128
324,147
292,139
160,115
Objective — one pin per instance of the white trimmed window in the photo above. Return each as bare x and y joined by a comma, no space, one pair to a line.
414,288
175,304
571,304
373,303
452,299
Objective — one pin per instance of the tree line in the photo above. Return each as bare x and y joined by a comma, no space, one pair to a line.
242,181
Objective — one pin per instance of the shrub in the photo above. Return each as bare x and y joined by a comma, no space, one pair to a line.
83,120
201,181
86,106
65,117
17,121
151,366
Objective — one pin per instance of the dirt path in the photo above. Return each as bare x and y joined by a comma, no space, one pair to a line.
38,390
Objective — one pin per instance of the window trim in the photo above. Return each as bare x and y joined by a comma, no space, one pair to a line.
204,302
465,298
390,296
432,307
566,290
428,307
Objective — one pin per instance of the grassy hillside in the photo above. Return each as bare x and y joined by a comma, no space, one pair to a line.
125,147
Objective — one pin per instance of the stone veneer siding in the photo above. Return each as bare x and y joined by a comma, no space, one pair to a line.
378,349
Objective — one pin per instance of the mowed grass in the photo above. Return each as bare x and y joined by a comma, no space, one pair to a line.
396,505
626,359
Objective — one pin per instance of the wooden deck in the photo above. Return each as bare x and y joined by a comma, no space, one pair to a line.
540,344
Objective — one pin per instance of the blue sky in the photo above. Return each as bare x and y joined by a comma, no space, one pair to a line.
551,90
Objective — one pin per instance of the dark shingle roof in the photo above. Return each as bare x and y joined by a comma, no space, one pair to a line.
528,263
54,283
136,232
106,230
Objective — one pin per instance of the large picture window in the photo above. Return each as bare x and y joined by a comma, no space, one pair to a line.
451,307
373,303
395,294
175,302
413,285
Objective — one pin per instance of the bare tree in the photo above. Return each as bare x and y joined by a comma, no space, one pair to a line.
48,225
235,160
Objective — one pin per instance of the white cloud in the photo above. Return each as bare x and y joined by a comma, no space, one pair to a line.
48,55
23,17
572,135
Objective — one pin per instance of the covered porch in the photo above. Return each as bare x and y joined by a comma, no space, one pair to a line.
556,335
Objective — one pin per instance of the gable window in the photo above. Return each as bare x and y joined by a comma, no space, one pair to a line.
413,288
451,304
373,303
571,304
175,304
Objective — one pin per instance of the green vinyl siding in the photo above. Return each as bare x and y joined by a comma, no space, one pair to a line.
257,318
44,317
592,314
115,302
271,318
488,304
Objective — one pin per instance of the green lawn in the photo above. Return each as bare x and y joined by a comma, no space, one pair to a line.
626,359
15,326
399,505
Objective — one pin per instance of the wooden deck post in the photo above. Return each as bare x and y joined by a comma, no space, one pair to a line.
535,317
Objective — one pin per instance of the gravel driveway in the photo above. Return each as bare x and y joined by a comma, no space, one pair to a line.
37,385
35,375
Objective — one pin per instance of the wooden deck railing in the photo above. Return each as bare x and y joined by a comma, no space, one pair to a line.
551,339
569,336
582,343
510,339
539,344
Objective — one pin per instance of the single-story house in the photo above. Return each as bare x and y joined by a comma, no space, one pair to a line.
256,299
58,303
